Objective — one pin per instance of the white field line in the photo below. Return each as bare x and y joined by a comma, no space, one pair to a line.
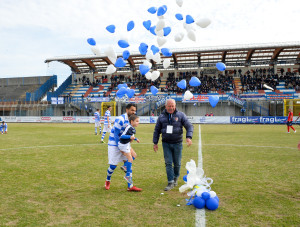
98,144
200,213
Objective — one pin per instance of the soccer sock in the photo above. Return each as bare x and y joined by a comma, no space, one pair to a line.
110,171
133,158
288,128
100,130
293,128
103,135
95,129
129,171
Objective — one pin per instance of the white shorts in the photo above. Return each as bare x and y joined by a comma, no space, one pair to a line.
97,124
106,128
124,147
115,155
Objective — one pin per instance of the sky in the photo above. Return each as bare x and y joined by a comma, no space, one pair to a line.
33,30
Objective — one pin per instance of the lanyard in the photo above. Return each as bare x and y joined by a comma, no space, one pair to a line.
170,119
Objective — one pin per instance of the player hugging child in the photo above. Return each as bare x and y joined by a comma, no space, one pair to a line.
124,145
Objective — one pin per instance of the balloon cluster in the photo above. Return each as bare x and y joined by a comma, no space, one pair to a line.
154,53
124,90
200,191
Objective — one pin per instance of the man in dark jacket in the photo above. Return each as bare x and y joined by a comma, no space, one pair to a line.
169,124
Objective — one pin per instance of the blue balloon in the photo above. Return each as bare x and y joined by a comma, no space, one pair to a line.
152,30
91,41
205,195
144,69
111,28
199,203
126,54
121,92
212,204
143,48
194,82
147,24
221,66
152,10
153,90
130,93
154,49
182,84
130,25
213,100
122,85
185,178
123,43
166,52
167,31
162,10
216,198
179,16
120,62
189,19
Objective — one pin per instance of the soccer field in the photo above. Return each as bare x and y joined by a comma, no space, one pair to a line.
54,174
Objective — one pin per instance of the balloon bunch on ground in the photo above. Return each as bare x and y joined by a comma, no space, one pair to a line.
156,54
200,193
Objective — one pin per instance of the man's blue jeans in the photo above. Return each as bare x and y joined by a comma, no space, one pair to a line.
172,155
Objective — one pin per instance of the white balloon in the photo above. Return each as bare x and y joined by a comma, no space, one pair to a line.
155,75
149,55
113,60
110,69
212,194
189,27
187,96
179,2
124,37
145,62
148,75
166,63
160,25
184,187
179,36
161,41
161,17
110,52
191,35
203,22
96,50
160,33
157,58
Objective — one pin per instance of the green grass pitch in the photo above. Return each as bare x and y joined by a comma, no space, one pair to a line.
53,175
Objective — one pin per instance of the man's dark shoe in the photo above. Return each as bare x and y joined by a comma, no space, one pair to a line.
175,181
169,186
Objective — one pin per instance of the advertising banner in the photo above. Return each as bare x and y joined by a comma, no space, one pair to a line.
258,120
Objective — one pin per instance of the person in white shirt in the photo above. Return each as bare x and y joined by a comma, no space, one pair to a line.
107,125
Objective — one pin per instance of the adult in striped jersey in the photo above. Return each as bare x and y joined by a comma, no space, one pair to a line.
97,121
289,122
114,154
106,126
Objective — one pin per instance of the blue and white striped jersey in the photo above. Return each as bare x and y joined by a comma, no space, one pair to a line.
107,114
120,124
97,116
3,127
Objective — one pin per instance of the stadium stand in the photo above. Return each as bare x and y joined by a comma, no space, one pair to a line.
26,88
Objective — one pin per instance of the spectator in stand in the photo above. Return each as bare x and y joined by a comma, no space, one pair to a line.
206,115
211,114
